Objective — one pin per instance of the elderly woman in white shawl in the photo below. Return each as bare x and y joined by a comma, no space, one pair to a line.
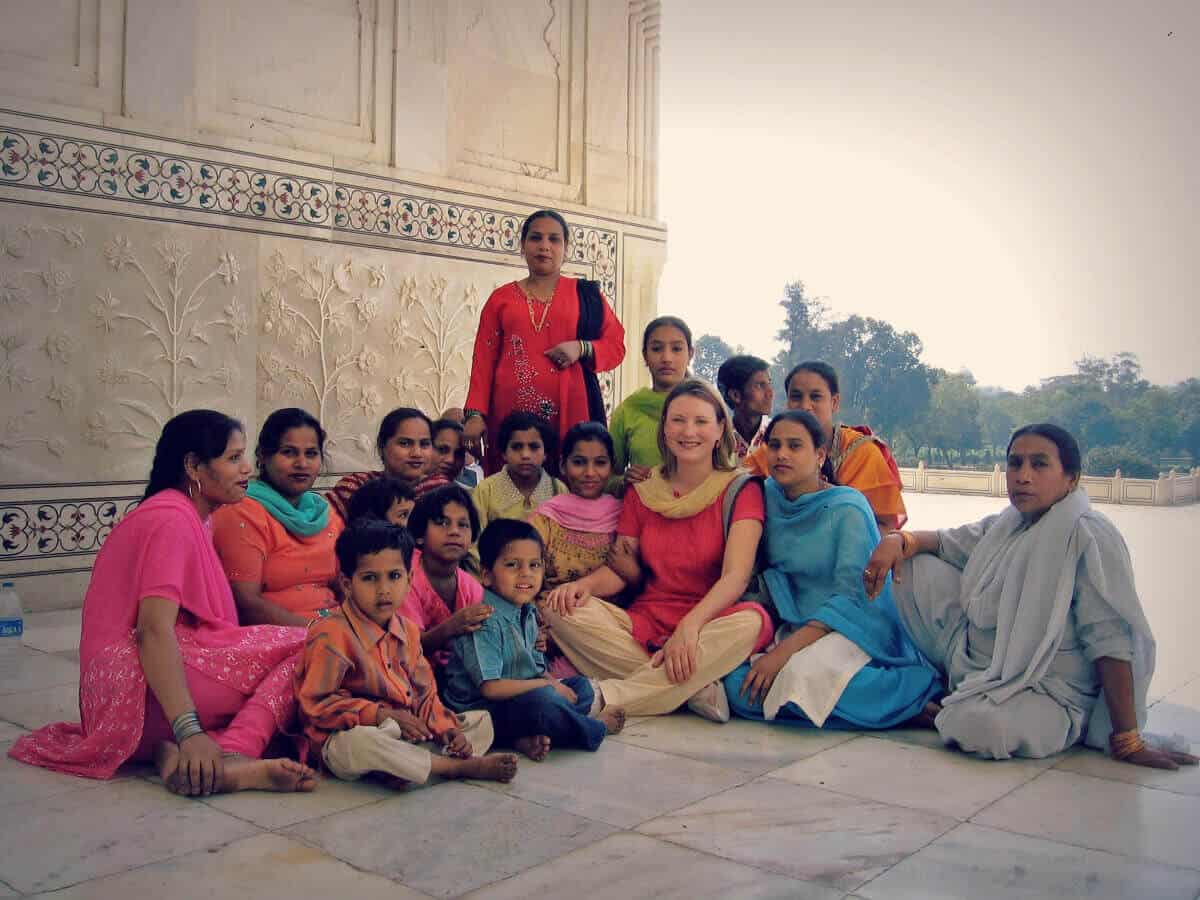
1032,616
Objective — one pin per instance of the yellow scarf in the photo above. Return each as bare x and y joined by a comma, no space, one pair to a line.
658,496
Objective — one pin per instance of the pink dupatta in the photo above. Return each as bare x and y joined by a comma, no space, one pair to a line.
161,549
597,516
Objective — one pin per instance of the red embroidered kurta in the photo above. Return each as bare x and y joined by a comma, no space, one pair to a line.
512,372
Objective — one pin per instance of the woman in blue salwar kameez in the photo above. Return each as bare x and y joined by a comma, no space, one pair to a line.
839,659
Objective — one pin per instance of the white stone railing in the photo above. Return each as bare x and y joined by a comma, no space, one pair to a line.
1169,489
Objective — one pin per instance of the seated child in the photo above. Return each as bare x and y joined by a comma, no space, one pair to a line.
516,490
367,697
386,499
499,668
445,526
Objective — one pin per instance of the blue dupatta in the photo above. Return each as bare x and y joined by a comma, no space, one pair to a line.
817,548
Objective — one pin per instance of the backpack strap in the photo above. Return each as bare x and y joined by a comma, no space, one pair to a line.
731,494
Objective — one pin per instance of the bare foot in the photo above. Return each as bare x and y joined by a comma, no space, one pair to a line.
535,746
166,760
493,767
613,718
282,775
924,719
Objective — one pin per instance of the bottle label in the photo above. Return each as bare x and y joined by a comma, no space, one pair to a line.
12,627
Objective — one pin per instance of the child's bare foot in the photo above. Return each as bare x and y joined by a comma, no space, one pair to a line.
613,718
493,767
535,746
281,775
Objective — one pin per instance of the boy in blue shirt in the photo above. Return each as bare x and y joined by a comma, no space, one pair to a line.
500,669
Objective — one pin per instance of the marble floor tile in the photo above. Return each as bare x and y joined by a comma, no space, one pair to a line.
275,811
10,732
63,840
1185,780
6,891
432,839
23,783
619,784
738,744
33,709
264,867
985,864
632,865
31,670
1178,713
800,831
1104,815
53,631
922,737
940,781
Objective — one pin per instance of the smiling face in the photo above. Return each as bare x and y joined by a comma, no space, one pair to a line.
544,247
756,396
587,469
810,392
667,356
448,535
524,455
517,574
794,462
379,585
1035,475
691,430
449,453
409,451
294,467
223,479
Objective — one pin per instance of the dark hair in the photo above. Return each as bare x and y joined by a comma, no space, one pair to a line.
545,214
1068,447
433,505
523,421
393,420
587,431
825,370
373,500
443,425
736,371
815,430
280,423
502,532
203,433
661,321
370,536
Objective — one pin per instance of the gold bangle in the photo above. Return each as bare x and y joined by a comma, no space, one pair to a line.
908,544
1124,744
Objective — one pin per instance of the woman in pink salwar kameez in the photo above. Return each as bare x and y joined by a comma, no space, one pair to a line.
161,641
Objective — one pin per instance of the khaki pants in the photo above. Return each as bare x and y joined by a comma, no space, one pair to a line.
355,752
598,640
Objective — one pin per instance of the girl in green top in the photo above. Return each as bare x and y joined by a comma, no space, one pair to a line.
667,350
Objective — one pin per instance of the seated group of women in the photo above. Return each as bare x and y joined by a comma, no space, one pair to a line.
702,554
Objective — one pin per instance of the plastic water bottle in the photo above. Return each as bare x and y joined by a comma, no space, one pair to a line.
12,619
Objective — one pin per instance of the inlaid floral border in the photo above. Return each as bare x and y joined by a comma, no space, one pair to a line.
61,164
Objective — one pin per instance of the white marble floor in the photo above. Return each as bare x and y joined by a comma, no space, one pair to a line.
674,807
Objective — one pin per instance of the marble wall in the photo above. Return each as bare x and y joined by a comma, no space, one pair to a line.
247,206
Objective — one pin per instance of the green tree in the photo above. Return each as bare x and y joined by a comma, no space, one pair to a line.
710,353
953,419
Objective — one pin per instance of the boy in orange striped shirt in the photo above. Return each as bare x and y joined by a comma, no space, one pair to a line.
367,696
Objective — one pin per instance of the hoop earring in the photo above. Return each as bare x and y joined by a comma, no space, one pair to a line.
196,484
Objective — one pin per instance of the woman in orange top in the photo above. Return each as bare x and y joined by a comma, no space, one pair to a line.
277,544
855,457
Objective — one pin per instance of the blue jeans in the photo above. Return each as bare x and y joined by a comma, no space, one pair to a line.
544,711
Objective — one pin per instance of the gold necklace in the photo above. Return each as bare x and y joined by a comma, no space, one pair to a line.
529,298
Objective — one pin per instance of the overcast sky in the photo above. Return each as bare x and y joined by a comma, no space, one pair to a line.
1017,182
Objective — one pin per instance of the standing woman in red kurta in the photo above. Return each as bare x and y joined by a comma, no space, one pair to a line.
540,342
